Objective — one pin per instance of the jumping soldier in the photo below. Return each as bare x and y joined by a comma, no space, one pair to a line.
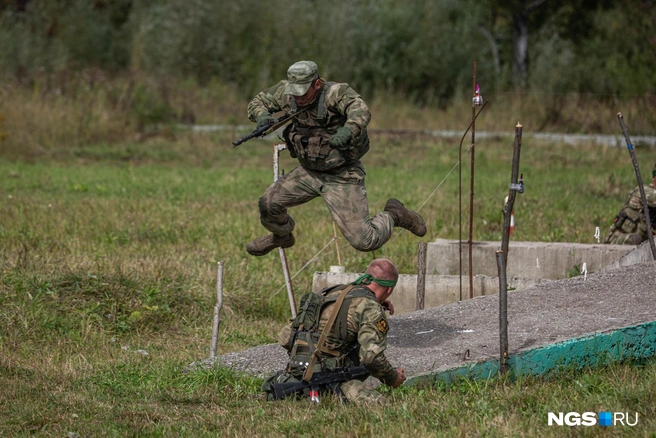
630,224
328,136
353,331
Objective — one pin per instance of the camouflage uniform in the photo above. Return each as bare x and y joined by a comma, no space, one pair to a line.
336,175
630,226
362,341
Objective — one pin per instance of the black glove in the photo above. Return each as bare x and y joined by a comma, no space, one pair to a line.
264,120
341,138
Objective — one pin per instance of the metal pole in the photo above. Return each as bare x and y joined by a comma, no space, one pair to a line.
217,310
480,102
460,217
471,185
514,188
503,313
283,257
421,274
502,254
645,207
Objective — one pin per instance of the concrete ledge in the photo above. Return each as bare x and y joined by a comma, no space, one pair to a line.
634,342
642,253
525,259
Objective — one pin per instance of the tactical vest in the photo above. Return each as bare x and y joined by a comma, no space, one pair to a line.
308,136
304,336
631,217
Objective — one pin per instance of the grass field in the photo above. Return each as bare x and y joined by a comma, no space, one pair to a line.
109,254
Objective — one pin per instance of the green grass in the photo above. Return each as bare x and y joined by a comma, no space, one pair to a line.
108,251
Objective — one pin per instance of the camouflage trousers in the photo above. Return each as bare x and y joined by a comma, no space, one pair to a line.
618,237
345,195
359,393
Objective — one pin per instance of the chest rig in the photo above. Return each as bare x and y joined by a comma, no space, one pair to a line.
308,136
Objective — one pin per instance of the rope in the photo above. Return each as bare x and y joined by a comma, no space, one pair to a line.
306,264
434,191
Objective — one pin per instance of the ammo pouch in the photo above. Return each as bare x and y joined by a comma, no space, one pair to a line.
627,220
314,151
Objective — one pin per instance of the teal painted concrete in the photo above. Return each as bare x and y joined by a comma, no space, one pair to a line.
634,342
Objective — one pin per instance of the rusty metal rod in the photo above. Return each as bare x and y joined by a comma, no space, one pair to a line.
503,313
514,188
471,186
460,197
421,275
645,207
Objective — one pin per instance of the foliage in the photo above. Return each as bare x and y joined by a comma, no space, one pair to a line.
421,49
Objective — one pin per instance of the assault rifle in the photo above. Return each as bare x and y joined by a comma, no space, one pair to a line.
268,129
263,131
319,380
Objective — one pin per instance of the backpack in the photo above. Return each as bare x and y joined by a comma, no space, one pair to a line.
304,336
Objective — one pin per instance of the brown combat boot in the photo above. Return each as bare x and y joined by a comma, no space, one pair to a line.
405,218
263,245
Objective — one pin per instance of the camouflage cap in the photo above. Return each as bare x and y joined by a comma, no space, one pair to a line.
300,75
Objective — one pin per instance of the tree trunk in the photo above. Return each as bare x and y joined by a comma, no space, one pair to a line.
520,47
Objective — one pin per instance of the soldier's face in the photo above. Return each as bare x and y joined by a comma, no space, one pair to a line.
309,96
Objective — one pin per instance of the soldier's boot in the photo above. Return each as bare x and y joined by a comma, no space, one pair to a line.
263,245
405,218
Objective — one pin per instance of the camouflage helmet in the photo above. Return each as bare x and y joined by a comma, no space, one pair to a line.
300,75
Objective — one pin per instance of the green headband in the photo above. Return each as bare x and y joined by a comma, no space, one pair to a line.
368,278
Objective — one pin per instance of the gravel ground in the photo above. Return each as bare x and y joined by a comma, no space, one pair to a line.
449,336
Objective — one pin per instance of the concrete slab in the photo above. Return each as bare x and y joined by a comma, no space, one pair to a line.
544,260
464,333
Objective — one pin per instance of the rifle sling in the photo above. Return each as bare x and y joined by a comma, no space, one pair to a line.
324,334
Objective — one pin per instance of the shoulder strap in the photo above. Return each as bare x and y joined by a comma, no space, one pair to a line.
324,334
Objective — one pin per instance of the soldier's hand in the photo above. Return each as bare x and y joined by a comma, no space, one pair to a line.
264,119
400,378
389,306
341,138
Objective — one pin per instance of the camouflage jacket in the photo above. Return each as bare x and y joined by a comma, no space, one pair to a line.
365,332
631,218
307,137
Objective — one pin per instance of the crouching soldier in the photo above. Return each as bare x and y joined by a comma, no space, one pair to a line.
630,224
338,339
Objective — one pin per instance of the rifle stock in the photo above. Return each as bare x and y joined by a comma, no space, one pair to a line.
318,380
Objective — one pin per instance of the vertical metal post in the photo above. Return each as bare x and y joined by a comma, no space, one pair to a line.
471,186
460,217
502,254
645,207
514,188
217,310
283,256
421,275
503,313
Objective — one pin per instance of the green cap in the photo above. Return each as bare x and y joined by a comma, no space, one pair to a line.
300,75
